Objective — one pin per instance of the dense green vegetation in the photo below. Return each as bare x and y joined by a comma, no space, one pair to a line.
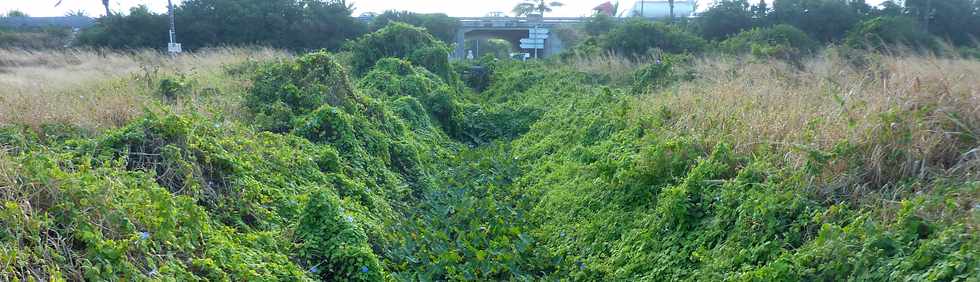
302,25
295,25
403,173
754,154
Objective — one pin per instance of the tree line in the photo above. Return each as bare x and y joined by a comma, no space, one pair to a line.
299,25
303,25
791,28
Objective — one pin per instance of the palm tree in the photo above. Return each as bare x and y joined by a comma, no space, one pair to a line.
529,7
671,3
105,3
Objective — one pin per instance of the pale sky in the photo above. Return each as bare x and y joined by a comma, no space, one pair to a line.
451,7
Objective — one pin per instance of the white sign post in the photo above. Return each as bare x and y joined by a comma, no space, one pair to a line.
535,40
173,47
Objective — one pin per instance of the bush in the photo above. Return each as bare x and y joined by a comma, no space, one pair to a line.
653,76
290,24
780,41
883,32
395,78
435,59
332,244
171,88
140,29
599,24
724,19
398,40
326,124
441,26
636,37
287,90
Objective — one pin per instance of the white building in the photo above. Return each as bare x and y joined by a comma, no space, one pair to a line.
657,9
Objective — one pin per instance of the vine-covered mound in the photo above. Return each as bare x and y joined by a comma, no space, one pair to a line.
548,174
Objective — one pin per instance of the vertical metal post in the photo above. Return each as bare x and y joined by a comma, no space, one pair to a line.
173,29
643,6
536,27
927,16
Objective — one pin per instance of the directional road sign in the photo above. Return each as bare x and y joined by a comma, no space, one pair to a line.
532,41
538,31
532,46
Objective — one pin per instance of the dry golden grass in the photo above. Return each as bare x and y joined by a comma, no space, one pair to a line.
618,69
908,116
95,89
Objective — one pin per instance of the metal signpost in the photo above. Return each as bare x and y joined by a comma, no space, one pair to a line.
535,40
173,47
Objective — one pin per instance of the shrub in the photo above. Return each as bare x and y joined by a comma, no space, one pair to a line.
724,19
441,26
287,90
326,124
332,244
396,78
435,59
653,76
172,87
141,28
636,37
883,32
398,40
780,41
599,24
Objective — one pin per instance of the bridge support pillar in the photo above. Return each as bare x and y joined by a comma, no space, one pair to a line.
460,50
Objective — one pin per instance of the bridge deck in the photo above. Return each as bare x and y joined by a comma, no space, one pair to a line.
468,22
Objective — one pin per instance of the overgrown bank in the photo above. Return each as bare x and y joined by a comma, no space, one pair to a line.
709,169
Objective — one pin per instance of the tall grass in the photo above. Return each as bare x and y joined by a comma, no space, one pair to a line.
97,89
889,117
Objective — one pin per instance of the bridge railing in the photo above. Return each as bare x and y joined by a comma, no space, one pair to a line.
479,21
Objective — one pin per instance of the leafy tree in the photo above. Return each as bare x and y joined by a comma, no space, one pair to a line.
532,7
300,25
441,26
599,24
825,20
881,32
16,14
141,28
761,9
954,20
780,41
295,24
398,40
636,37
105,3
889,8
726,18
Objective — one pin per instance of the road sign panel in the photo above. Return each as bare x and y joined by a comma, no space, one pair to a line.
538,31
532,46
174,48
538,36
532,41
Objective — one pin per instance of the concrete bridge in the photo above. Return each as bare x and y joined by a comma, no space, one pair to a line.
42,22
512,30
